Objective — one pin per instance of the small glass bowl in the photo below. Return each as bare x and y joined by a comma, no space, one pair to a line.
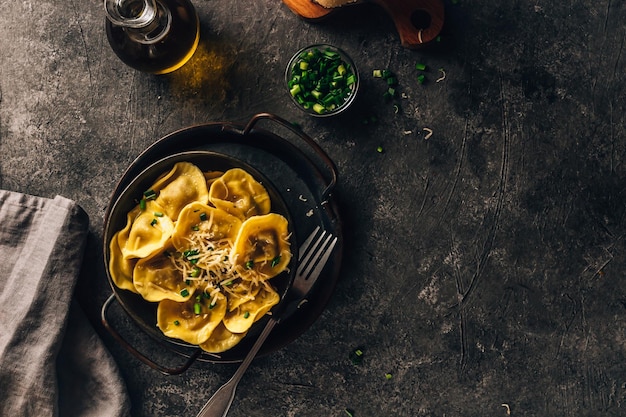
322,101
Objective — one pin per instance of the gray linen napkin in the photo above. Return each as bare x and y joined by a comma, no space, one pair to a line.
52,363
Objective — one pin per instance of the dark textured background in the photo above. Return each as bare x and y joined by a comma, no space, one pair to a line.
483,266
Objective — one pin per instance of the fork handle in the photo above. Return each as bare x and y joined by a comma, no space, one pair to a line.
219,404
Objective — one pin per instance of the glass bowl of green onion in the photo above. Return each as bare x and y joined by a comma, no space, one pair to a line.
322,80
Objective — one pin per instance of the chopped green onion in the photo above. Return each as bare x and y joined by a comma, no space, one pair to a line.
158,214
250,264
318,108
184,292
153,222
246,314
195,273
379,149
421,79
388,376
377,73
142,204
195,228
203,216
149,194
356,356
275,261
349,412
176,323
421,67
197,308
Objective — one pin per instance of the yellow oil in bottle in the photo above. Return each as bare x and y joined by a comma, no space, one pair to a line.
161,47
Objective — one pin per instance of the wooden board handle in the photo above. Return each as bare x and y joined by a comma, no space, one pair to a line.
418,22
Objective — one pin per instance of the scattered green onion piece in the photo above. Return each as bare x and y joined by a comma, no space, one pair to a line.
388,376
250,264
356,356
275,261
153,222
142,204
176,323
184,292
149,194
421,67
158,214
421,78
195,273
349,412
379,149
197,308
246,314
195,228
203,216
377,73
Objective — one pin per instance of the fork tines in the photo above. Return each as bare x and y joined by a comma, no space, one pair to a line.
314,252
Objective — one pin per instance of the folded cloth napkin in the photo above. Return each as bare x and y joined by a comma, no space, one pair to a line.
52,362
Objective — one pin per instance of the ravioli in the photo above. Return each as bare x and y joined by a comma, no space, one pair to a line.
121,269
221,340
184,184
180,321
148,233
240,319
262,246
200,222
156,278
241,292
238,193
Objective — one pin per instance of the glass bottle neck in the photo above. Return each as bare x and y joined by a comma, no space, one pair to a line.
145,21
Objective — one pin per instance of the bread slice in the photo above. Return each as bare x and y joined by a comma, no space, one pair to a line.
331,4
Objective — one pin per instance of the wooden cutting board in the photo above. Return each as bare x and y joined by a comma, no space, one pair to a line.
418,22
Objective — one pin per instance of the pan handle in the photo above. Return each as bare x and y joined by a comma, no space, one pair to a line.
332,168
143,358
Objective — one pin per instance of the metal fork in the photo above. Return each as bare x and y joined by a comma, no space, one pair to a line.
312,257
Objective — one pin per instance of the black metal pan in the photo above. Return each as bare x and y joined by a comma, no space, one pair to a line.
300,180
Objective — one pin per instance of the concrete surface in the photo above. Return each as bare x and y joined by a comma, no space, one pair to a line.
484,266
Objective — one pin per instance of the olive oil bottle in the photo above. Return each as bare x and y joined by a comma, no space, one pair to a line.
154,36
